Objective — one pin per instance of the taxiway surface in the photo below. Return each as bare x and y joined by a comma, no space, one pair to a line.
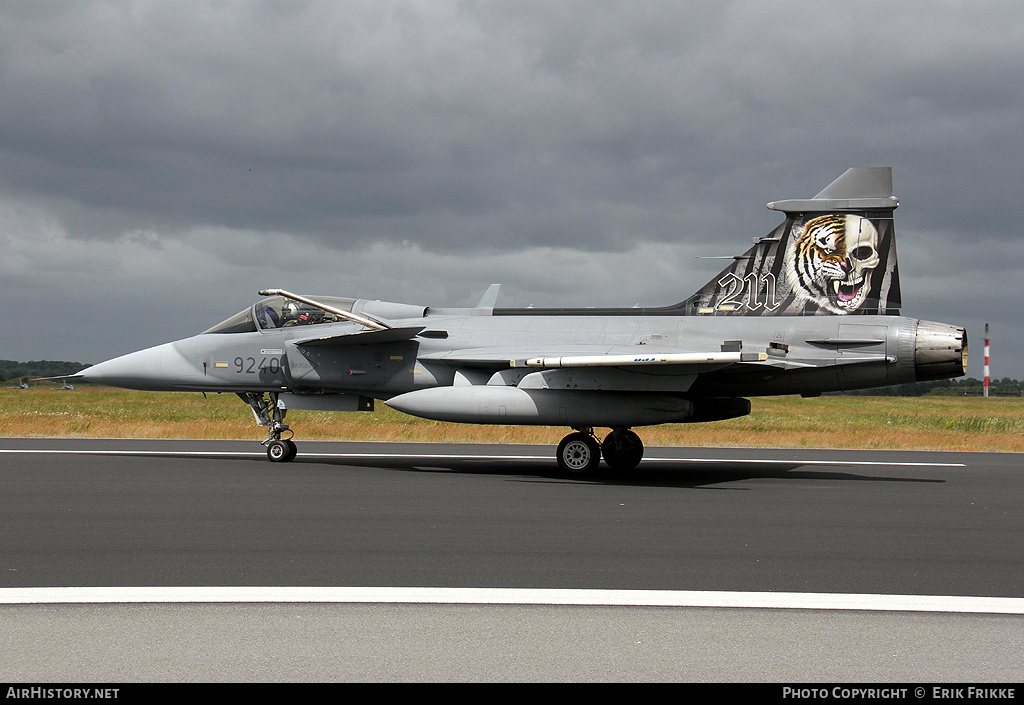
125,514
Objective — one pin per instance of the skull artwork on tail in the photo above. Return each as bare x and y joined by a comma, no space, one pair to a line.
830,259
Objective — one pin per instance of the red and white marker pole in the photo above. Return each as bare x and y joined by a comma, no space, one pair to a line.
986,359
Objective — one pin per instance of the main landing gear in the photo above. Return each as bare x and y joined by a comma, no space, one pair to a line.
580,453
280,448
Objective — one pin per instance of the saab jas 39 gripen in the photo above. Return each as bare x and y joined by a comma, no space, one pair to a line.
812,307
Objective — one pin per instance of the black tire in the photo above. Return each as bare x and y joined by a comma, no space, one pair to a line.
623,451
281,451
579,454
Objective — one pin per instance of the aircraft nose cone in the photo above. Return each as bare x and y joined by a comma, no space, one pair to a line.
159,368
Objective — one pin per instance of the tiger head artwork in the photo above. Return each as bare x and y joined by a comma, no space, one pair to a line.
830,259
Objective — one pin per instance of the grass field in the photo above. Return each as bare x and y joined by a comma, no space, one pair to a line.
903,423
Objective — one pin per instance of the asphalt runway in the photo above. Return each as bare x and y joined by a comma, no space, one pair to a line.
764,565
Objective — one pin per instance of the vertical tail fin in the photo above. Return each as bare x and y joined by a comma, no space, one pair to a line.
834,255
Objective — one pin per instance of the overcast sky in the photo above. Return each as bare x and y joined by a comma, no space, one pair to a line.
160,162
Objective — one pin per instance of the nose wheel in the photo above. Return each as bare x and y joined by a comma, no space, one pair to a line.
281,450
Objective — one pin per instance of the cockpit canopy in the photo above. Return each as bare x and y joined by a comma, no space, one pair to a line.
280,312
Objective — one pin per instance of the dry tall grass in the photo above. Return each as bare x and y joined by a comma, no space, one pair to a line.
902,423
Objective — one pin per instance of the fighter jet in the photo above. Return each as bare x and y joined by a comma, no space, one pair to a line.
812,307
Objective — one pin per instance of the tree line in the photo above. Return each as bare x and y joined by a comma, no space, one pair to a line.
14,370
965,386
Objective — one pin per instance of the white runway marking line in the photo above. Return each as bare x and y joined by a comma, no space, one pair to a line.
450,456
513,596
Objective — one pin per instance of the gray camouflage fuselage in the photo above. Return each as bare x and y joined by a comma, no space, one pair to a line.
472,347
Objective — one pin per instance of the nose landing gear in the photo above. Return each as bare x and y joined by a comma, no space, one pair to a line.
269,413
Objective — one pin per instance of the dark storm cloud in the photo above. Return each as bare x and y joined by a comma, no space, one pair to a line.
373,119
235,143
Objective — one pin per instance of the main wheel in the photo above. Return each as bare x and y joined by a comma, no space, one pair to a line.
579,453
622,450
281,451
